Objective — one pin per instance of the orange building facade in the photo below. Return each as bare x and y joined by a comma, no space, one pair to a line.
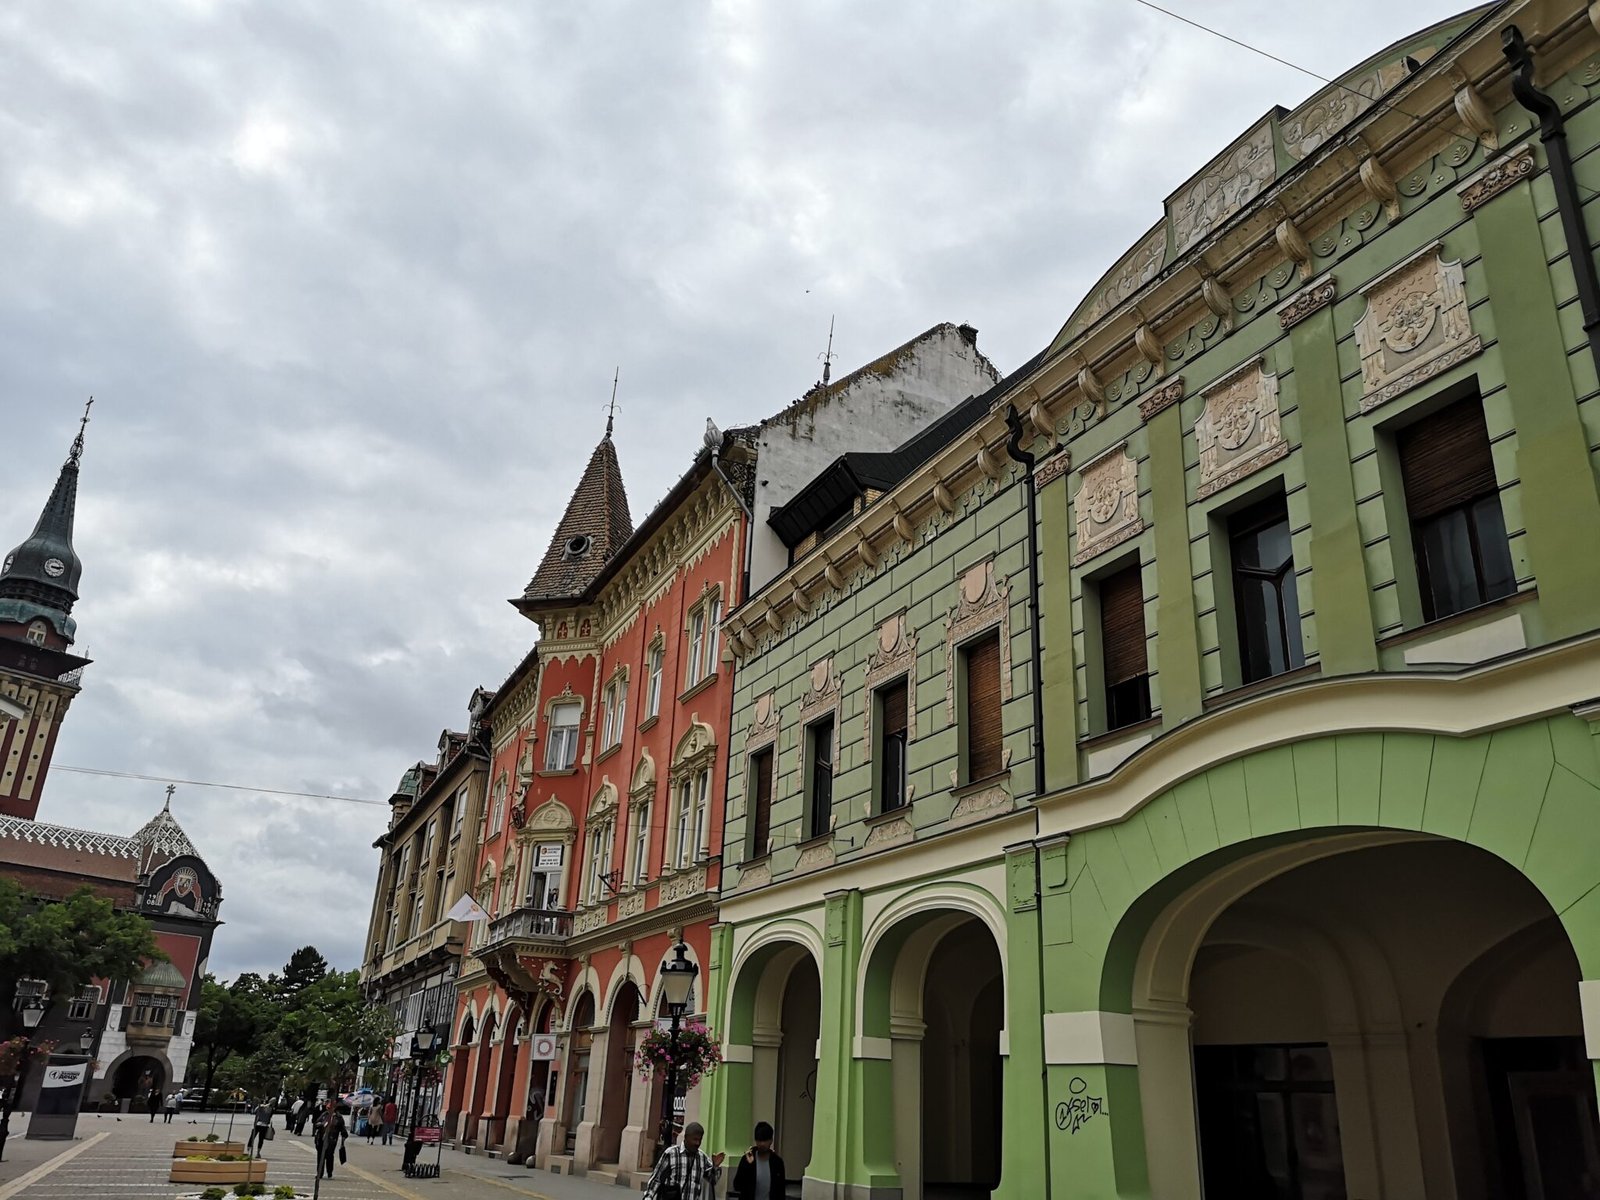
600,839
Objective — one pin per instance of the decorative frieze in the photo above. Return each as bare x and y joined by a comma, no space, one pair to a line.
682,886
754,876
1416,326
1496,178
1106,506
890,833
630,905
982,602
1239,432
1226,185
1162,398
1312,298
590,918
977,805
815,857
1052,468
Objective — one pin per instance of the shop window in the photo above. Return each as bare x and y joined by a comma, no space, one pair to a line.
891,701
561,751
980,661
1269,1124
819,777
1122,648
1264,593
1458,531
760,786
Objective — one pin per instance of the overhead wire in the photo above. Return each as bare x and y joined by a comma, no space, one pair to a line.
205,783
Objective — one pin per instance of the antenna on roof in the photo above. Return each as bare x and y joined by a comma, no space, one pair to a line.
77,442
611,409
827,355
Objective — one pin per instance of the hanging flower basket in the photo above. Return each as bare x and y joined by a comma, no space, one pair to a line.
697,1054
19,1052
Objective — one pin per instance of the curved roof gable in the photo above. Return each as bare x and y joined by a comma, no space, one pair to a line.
1252,163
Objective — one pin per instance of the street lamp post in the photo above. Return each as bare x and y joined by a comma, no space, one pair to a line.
677,981
421,1051
32,1013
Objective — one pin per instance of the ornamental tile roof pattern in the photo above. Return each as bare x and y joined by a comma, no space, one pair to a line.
595,524
64,837
163,834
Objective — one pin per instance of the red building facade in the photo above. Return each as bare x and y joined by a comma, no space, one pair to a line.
600,839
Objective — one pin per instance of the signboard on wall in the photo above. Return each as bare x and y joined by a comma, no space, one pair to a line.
547,855
542,1047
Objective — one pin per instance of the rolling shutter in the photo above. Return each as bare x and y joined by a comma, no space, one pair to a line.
892,700
1122,642
1445,460
983,707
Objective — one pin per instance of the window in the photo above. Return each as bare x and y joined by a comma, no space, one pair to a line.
36,633
653,701
1458,531
680,821
30,989
83,1005
1264,594
416,915
427,841
981,662
697,644
760,786
616,704
702,808
692,807
891,702
713,620
499,820
819,768
1122,648
641,842
152,1008
461,812
561,752
1268,1112
703,622
600,843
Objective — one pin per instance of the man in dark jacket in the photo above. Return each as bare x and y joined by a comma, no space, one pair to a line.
760,1174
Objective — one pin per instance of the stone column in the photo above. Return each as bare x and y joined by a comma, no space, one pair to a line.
1165,1054
639,1134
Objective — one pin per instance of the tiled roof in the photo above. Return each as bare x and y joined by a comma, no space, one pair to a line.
595,524
163,833
65,838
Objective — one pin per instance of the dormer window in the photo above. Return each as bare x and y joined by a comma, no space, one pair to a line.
577,547
36,633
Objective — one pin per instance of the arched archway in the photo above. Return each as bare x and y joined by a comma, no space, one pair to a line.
617,1094
580,1040
136,1076
775,1011
932,1028
1362,1013
482,1060
505,1085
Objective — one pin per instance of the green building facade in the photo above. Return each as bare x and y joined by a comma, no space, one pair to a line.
1292,889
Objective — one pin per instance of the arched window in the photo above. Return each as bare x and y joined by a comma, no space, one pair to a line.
37,632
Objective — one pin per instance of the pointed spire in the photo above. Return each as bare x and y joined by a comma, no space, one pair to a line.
40,576
611,410
595,524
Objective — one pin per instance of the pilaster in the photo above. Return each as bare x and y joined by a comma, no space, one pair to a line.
1177,631
1057,669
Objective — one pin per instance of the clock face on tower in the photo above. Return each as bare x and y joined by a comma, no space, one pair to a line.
54,567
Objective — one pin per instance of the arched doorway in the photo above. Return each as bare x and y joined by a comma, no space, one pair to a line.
581,1038
510,1050
1365,1014
460,1068
934,997
136,1077
617,1095
480,1081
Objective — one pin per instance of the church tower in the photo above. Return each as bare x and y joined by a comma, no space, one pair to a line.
38,675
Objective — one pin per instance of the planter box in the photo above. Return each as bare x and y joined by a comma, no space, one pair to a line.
209,1149
222,1174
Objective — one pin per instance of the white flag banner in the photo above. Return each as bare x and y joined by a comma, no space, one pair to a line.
466,909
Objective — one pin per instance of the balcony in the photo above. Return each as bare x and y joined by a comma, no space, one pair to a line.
536,931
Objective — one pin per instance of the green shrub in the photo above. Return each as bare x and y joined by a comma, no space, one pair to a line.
283,1191
212,1137
248,1189
213,1193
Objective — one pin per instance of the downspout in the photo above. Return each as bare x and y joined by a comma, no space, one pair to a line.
1015,450
1553,133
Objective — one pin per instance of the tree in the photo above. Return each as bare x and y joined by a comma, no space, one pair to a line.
333,1029
232,1020
67,943
305,967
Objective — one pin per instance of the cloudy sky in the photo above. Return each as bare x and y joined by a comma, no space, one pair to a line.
349,281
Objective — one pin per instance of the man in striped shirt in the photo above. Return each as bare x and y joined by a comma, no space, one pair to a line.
684,1172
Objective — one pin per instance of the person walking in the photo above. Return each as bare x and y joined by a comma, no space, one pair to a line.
294,1114
685,1172
760,1174
153,1103
330,1133
391,1118
262,1129
169,1107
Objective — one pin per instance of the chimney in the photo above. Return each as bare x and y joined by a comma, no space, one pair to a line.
969,334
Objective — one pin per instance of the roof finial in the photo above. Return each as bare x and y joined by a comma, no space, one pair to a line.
611,409
827,355
167,807
76,453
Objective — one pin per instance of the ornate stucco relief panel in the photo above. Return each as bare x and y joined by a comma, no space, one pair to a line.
1223,188
1240,431
894,655
765,720
1106,505
983,601
1416,326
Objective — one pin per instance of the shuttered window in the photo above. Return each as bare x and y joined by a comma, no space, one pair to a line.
1458,530
760,802
1122,648
892,744
819,739
983,706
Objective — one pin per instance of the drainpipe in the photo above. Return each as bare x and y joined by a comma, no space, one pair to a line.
1553,133
1015,450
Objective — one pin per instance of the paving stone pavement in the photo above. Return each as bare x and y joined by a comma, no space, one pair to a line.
129,1160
